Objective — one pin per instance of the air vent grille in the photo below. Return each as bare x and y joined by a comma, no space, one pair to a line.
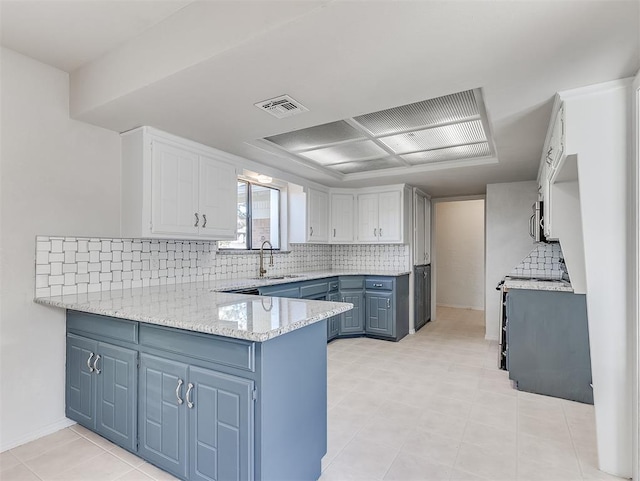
281,107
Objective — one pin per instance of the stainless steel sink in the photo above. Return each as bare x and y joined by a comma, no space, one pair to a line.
275,278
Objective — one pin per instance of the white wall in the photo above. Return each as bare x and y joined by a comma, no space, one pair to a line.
59,177
598,132
459,237
508,208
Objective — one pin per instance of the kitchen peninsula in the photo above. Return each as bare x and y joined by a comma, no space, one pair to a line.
204,384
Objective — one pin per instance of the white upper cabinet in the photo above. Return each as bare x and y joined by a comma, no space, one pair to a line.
381,216
174,188
342,218
317,215
308,216
421,229
367,217
553,153
218,199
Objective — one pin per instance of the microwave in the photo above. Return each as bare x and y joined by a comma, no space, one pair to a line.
536,223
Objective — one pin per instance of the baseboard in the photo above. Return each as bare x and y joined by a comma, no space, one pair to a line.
491,338
32,436
412,331
461,307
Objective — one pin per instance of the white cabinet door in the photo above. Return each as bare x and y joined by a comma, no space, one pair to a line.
367,217
341,218
174,190
390,217
427,232
419,241
218,199
317,215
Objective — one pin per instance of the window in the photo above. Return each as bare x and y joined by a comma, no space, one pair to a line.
258,217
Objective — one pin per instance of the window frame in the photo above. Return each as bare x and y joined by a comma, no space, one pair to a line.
249,236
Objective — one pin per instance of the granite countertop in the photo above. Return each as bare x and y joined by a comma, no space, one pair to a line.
269,280
196,307
537,284
204,307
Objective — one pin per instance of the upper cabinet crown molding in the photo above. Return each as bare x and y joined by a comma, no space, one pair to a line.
175,188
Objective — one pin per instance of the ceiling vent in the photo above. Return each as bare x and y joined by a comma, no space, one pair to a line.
281,107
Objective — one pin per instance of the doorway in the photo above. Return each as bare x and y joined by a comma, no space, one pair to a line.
458,257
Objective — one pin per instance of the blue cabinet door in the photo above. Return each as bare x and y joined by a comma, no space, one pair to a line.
379,313
220,426
333,323
162,423
116,401
80,382
352,322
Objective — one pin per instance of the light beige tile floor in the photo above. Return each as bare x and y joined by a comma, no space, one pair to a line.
434,406
430,407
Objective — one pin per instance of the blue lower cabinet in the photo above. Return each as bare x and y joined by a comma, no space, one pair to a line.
116,402
195,423
352,322
333,323
101,388
163,413
379,318
80,385
220,426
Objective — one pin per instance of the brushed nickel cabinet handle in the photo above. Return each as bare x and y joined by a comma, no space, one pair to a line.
375,232
334,232
189,389
204,218
180,382
89,362
380,232
388,304
197,220
95,364
311,231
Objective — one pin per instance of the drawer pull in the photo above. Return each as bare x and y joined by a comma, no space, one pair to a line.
95,364
180,382
189,389
89,362
197,220
377,285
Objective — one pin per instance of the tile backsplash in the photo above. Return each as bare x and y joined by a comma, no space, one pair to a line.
70,265
545,260
375,257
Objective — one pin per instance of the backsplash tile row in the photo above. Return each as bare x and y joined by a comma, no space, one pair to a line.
70,265
545,260
375,257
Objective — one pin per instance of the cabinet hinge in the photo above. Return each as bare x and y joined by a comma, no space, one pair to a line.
254,394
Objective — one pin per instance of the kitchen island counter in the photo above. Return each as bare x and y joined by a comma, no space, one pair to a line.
199,307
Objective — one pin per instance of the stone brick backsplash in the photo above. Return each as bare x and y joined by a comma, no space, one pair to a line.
375,257
545,260
70,265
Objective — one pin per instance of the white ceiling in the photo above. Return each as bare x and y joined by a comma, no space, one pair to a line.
197,70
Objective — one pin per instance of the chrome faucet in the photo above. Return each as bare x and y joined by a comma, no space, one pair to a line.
263,271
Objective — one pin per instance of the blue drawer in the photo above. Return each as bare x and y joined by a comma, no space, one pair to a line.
379,284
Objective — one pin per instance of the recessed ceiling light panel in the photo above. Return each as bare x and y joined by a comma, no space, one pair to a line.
450,108
367,165
436,138
365,149
449,153
315,137
449,128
